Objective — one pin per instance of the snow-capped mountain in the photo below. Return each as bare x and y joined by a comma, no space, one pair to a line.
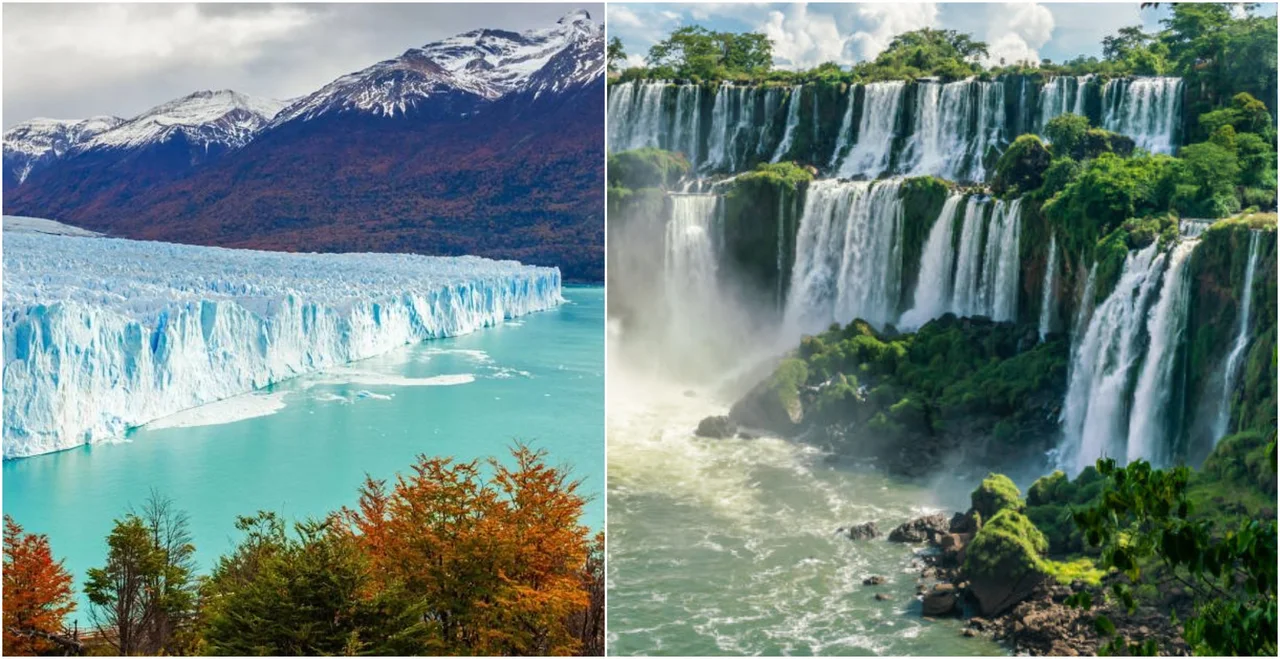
206,118
487,143
460,74
35,143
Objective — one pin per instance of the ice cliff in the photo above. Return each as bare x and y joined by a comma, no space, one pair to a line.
102,335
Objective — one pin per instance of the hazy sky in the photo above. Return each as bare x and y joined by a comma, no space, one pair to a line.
805,35
73,61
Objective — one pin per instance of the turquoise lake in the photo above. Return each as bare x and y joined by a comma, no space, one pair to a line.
308,443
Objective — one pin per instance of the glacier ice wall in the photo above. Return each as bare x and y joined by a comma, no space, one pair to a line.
102,335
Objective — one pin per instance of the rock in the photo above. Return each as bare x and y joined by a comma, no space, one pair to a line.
921,529
717,427
980,624
1002,563
968,522
969,632
941,600
882,597
874,581
864,531
774,404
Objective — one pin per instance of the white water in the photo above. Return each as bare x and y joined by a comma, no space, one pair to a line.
1146,109
1061,95
843,137
943,142
934,284
848,256
1149,422
104,335
880,108
1046,296
793,118
1234,359
986,280
691,262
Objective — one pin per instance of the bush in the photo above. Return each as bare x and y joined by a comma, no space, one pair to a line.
995,494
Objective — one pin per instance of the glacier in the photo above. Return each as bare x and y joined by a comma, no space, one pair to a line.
102,335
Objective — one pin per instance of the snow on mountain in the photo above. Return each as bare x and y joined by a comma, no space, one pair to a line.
474,67
204,118
102,335
22,224
34,143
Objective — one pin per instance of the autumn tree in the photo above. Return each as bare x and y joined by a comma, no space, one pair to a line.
495,563
587,624
37,593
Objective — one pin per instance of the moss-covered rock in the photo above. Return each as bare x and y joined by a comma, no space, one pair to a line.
1022,166
1004,561
774,404
646,168
761,218
996,493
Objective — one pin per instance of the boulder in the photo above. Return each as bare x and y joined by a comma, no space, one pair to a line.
774,404
717,427
968,522
941,600
1003,563
882,597
864,531
876,580
921,529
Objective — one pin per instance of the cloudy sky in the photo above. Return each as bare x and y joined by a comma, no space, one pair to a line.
805,35
72,61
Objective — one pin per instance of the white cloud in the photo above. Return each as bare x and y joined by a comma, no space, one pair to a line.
621,16
884,21
1016,32
803,40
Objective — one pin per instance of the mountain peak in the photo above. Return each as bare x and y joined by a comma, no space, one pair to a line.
574,16
205,117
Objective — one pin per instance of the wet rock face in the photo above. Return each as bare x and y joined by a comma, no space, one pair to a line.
876,580
941,601
922,529
864,531
717,427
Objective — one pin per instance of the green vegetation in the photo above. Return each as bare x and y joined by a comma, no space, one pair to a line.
695,53
1148,525
995,494
646,168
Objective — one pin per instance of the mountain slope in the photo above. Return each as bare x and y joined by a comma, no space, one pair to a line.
489,143
37,143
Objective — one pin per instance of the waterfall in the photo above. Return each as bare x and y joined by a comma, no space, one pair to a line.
871,153
1146,109
986,279
1223,419
1149,423
763,142
1000,264
1095,409
690,263
933,285
1046,296
846,125
955,124
1060,95
635,115
685,138
848,255
793,118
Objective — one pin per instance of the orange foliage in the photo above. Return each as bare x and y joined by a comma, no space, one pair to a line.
497,563
37,592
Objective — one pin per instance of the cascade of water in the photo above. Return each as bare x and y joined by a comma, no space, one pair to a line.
1146,109
716,143
1236,356
846,125
691,260
1096,406
955,124
848,255
870,155
793,118
1084,312
635,115
1166,323
1060,95
1046,295
969,258
1001,262
933,286
764,141
685,133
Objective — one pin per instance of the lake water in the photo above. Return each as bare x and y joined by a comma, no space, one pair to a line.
729,546
303,447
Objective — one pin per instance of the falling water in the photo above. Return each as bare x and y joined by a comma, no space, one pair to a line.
1235,357
1061,95
955,124
986,279
848,255
1149,423
846,125
793,118
1095,412
635,111
691,258
933,286
1146,109
880,107
1046,296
